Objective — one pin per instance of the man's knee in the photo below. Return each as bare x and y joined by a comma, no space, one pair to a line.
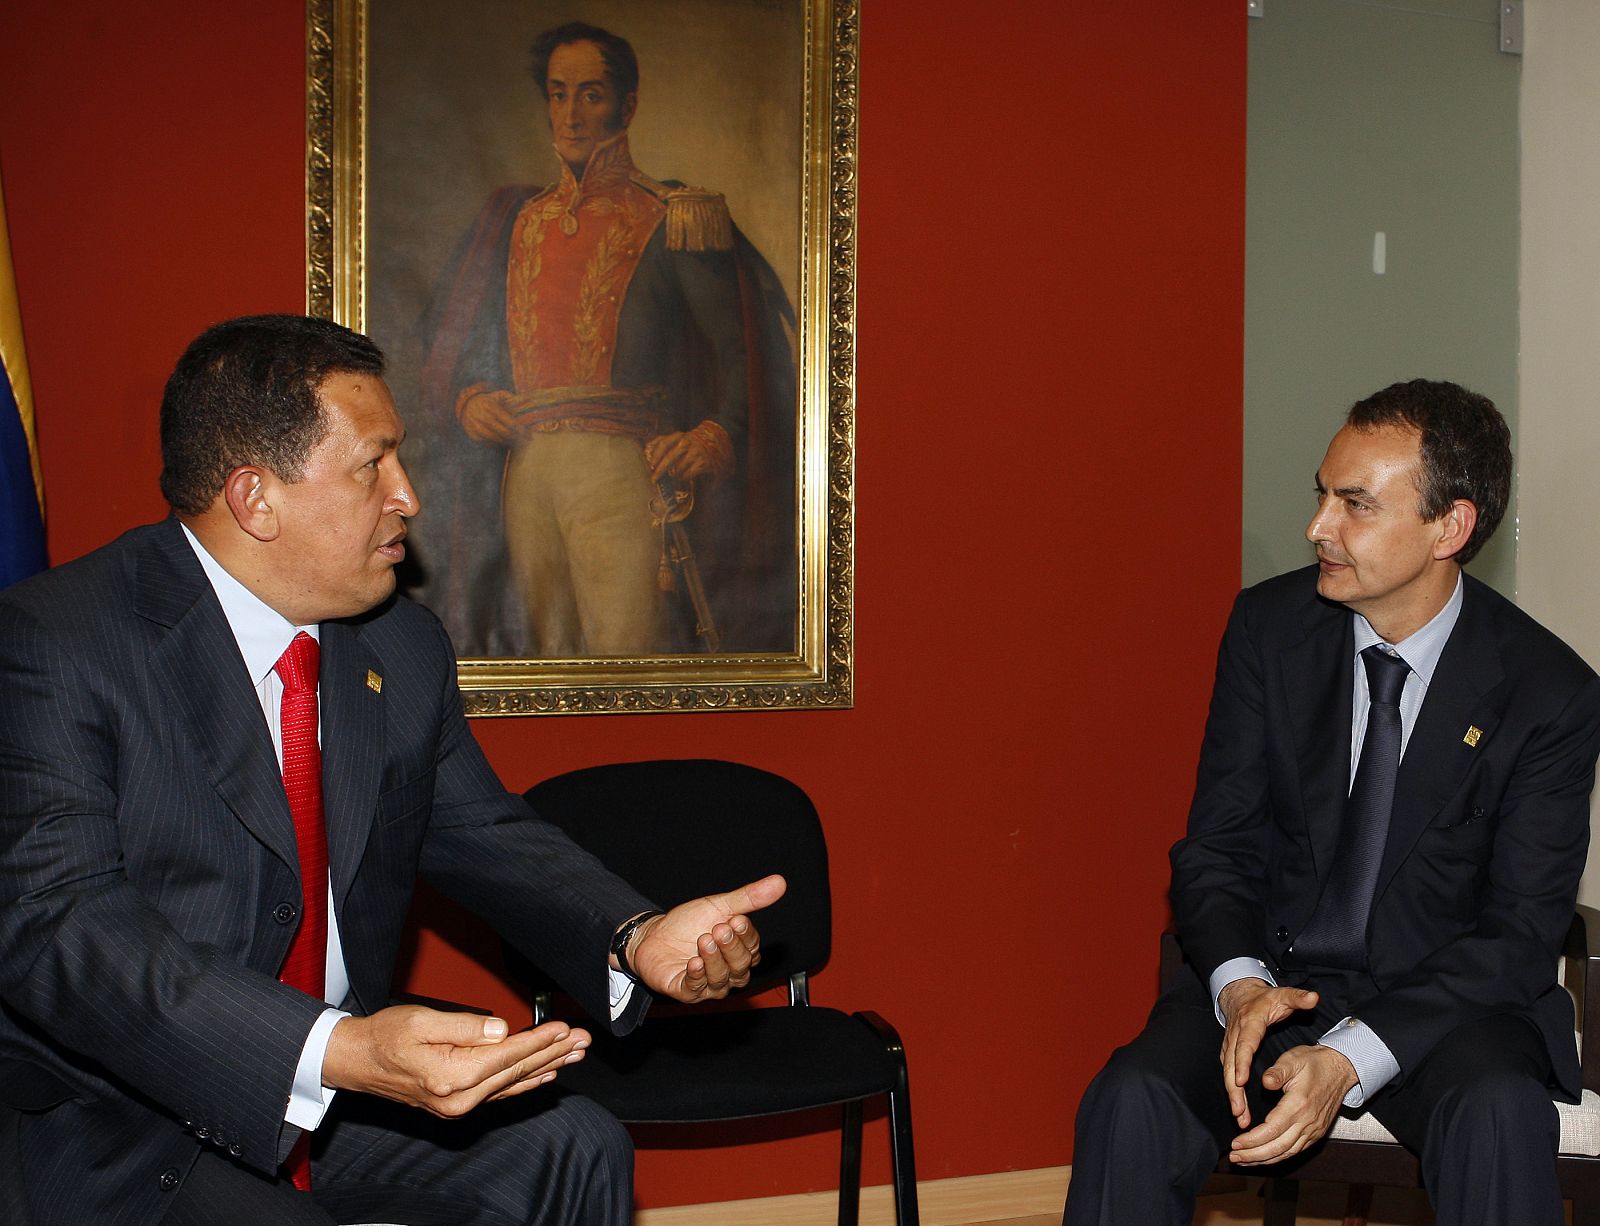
1134,1097
1478,1112
595,1163
602,1143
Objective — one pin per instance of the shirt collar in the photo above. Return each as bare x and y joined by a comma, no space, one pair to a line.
1422,649
262,633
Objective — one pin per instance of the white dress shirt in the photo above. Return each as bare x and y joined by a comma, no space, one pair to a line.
263,635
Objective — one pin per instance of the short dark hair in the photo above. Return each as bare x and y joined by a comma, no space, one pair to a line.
615,53
246,392
1466,448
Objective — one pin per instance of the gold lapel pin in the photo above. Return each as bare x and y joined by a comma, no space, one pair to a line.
375,684
1473,734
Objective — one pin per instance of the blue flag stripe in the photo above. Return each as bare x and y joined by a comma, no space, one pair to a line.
21,526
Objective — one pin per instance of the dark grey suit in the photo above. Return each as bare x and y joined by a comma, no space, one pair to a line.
1485,847
149,880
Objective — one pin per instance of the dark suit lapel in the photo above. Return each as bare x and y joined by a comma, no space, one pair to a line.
205,682
1437,754
1317,681
352,748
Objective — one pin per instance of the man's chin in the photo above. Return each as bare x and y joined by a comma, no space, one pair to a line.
575,155
1333,586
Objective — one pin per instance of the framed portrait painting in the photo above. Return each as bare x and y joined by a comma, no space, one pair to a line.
609,249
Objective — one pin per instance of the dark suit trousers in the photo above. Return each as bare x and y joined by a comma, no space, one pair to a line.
542,1159
1154,1122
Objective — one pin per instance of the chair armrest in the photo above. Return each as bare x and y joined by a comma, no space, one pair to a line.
1582,951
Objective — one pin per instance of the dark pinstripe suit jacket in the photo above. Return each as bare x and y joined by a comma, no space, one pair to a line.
147,854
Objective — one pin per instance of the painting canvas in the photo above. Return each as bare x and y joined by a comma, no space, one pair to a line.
601,244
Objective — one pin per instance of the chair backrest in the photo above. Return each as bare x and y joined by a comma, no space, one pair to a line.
677,829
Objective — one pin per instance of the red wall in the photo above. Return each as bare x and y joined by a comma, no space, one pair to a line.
1049,385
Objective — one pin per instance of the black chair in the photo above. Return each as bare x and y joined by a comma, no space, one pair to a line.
1360,1152
680,829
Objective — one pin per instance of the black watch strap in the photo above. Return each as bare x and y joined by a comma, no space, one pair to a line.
624,936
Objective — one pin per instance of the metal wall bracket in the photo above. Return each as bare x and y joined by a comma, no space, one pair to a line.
1511,27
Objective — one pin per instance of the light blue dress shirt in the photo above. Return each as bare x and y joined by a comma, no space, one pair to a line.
1374,1063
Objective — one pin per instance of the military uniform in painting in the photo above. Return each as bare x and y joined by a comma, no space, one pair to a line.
607,310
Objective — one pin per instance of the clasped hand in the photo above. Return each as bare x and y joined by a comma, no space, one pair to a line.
1313,1079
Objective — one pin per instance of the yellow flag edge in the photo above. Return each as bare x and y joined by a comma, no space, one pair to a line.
12,353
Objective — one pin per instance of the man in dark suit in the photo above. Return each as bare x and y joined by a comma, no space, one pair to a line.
1389,822
170,864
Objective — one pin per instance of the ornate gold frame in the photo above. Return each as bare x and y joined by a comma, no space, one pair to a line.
819,674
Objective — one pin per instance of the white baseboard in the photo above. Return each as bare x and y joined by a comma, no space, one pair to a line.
942,1202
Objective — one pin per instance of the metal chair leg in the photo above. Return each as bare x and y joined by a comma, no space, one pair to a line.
850,1165
905,1163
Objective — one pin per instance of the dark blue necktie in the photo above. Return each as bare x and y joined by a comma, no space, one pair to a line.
1336,934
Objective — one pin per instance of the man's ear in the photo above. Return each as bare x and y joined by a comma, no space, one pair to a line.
1455,527
247,492
630,104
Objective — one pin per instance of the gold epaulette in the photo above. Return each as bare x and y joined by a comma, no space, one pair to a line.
697,219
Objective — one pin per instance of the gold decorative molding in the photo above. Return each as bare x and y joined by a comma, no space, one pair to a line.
819,674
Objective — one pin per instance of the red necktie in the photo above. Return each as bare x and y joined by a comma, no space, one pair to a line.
305,966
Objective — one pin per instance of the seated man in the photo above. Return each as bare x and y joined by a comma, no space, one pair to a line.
226,753
1389,822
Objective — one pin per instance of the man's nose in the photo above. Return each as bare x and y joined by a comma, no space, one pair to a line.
403,498
1317,529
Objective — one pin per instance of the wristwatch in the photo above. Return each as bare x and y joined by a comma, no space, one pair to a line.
624,935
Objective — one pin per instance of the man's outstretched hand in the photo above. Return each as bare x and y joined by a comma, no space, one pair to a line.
445,1063
706,947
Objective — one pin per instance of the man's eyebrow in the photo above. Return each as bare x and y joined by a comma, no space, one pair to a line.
580,85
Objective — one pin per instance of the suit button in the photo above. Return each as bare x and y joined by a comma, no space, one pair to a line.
283,913
236,1149
202,1133
169,1179
1282,934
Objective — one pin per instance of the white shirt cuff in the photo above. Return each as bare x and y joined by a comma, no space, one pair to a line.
1375,1064
621,992
1231,971
309,1099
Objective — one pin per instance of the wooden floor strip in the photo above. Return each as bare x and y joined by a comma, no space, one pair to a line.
1021,1198
972,1199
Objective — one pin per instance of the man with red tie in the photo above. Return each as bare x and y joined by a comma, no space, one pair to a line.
226,753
